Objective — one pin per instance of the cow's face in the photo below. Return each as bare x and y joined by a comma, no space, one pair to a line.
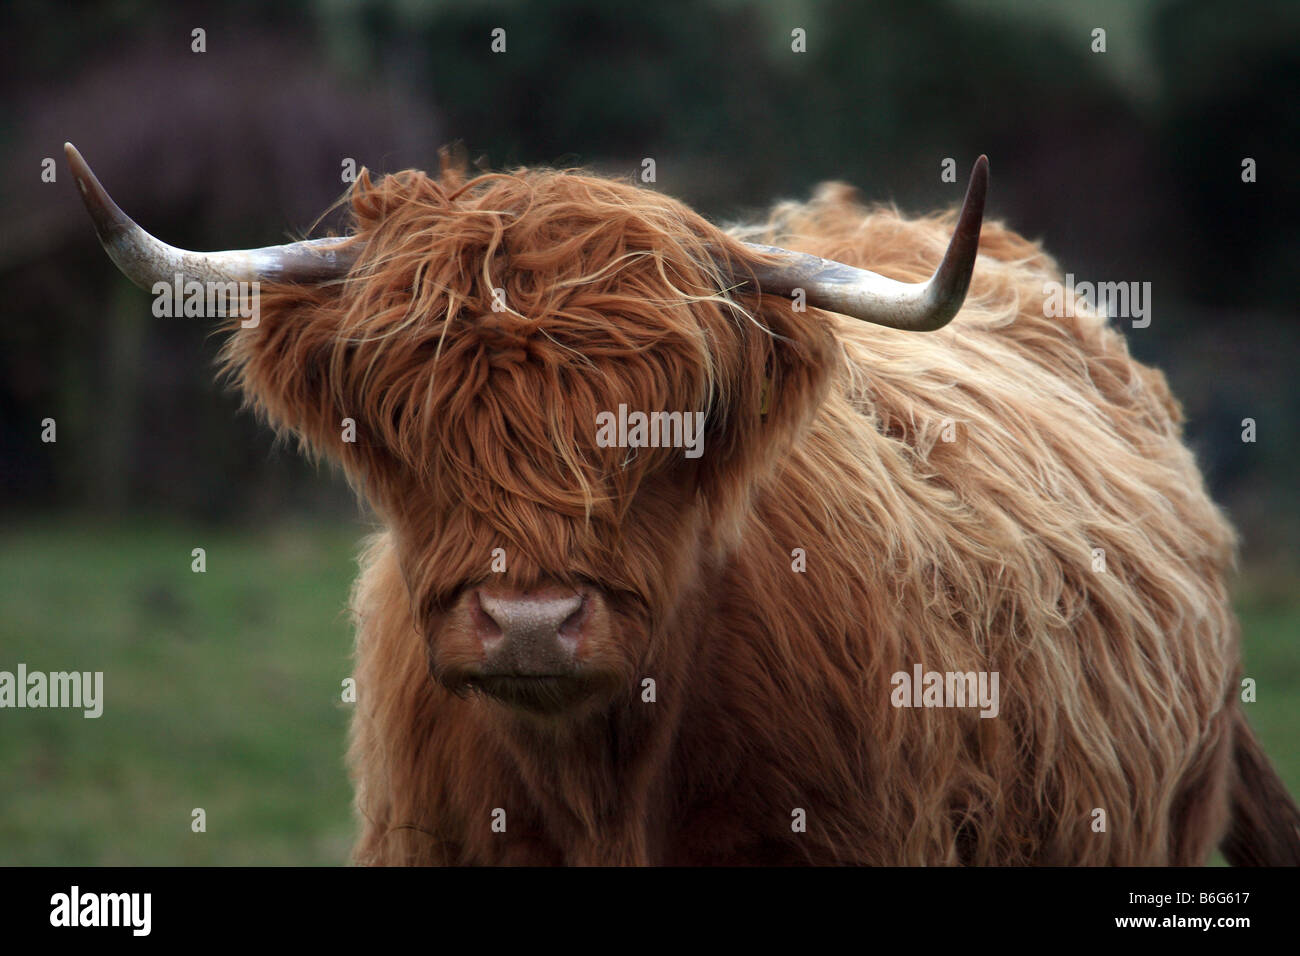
510,351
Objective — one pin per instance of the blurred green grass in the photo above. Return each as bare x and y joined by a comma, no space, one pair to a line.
222,691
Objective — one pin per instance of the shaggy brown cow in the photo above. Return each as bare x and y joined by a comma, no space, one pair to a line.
577,645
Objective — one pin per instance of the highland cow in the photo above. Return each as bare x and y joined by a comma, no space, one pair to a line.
614,652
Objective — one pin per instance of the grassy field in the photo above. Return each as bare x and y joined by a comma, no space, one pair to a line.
222,692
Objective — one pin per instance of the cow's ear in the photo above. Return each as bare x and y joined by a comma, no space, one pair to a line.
782,367
282,363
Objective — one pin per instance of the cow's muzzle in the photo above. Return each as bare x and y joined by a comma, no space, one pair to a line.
528,649
531,635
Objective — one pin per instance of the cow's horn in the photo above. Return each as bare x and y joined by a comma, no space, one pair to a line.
917,307
145,260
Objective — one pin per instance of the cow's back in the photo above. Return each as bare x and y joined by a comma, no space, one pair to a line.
1009,494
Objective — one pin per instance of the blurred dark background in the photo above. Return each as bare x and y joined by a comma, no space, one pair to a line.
1127,164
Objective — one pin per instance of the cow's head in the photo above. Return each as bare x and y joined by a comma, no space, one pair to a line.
492,361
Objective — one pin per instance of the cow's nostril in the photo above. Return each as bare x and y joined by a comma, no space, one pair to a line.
572,624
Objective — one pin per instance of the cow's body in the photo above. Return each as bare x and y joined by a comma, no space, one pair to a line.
576,652
970,555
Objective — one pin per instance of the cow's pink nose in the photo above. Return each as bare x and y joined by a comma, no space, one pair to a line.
532,635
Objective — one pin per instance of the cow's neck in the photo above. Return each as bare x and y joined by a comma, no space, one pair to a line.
602,782
598,783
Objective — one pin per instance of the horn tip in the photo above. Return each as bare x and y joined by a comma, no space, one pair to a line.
979,174
81,173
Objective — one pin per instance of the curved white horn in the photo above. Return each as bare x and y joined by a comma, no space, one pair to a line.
146,260
918,307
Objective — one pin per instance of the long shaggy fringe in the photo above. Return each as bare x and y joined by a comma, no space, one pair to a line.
489,321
